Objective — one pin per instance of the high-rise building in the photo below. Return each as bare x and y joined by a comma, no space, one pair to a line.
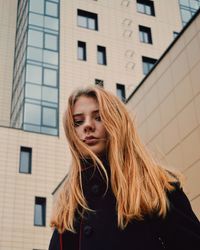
47,49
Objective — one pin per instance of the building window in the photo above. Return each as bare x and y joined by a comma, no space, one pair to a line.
188,8
99,82
146,7
40,211
25,160
81,53
121,92
87,20
175,34
145,34
101,55
148,63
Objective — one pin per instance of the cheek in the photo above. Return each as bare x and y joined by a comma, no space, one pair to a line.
78,132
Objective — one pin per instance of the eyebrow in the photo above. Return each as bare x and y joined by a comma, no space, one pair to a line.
93,112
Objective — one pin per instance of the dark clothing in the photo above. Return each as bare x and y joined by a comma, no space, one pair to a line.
179,230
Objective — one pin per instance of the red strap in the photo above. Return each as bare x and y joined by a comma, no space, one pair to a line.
61,243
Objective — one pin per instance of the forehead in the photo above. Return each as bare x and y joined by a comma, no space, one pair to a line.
85,104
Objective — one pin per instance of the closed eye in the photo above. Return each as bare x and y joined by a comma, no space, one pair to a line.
78,123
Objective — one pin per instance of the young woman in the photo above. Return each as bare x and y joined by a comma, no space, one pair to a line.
115,196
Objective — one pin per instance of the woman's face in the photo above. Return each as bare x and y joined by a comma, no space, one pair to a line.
88,124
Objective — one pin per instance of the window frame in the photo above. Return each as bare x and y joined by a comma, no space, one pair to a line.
42,202
28,150
102,50
150,62
99,82
87,16
146,4
122,88
82,45
145,34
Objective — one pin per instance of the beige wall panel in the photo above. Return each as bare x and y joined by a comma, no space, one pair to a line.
7,32
183,93
197,107
192,182
167,109
194,76
174,126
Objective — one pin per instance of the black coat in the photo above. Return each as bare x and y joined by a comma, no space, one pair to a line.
180,230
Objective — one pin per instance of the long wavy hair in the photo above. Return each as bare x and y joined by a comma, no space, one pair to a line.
137,181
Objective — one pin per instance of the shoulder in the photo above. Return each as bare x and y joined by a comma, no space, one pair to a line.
55,240
179,202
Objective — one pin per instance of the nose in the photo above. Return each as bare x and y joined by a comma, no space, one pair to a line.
89,126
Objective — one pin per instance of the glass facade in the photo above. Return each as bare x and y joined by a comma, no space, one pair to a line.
188,8
36,76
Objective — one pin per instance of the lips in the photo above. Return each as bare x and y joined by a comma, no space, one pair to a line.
90,140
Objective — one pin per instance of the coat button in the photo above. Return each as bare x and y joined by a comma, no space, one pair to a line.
87,230
95,189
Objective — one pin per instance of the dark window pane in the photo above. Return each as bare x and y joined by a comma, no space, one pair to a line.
99,82
25,160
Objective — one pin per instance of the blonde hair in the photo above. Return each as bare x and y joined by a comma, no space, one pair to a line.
138,182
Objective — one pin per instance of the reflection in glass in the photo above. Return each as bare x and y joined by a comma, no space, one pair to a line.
50,77
186,15
35,38
51,42
49,117
34,54
32,114
50,57
37,6
91,23
33,91
82,21
33,73
51,9
49,94
35,19
51,23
